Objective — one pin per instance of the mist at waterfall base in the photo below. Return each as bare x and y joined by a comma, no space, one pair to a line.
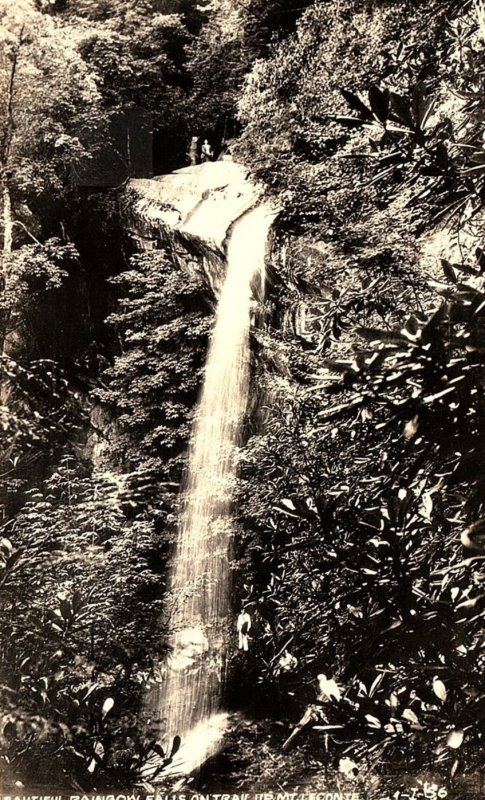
190,695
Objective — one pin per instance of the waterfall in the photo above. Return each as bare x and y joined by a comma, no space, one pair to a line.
200,581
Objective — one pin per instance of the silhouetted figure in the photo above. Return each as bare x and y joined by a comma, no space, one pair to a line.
207,152
225,152
193,153
243,628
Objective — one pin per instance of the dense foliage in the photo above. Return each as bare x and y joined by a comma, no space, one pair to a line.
151,388
79,607
368,464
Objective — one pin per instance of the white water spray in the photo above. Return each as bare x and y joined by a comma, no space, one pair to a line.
191,694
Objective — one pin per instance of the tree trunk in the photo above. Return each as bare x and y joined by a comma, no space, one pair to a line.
7,214
7,220
5,148
6,250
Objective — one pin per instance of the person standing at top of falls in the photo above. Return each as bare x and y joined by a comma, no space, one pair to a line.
243,628
207,151
193,153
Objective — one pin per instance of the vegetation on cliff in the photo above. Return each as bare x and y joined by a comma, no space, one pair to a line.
368,461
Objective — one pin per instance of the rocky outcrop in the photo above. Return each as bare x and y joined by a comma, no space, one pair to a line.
193,211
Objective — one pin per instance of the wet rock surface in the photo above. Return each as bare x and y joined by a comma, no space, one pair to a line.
199,203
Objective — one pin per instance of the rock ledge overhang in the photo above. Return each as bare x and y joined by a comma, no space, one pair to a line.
199,204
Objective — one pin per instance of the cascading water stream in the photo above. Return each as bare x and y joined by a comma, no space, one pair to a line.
200,581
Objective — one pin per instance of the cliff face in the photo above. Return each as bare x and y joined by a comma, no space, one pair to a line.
190,214
192,211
